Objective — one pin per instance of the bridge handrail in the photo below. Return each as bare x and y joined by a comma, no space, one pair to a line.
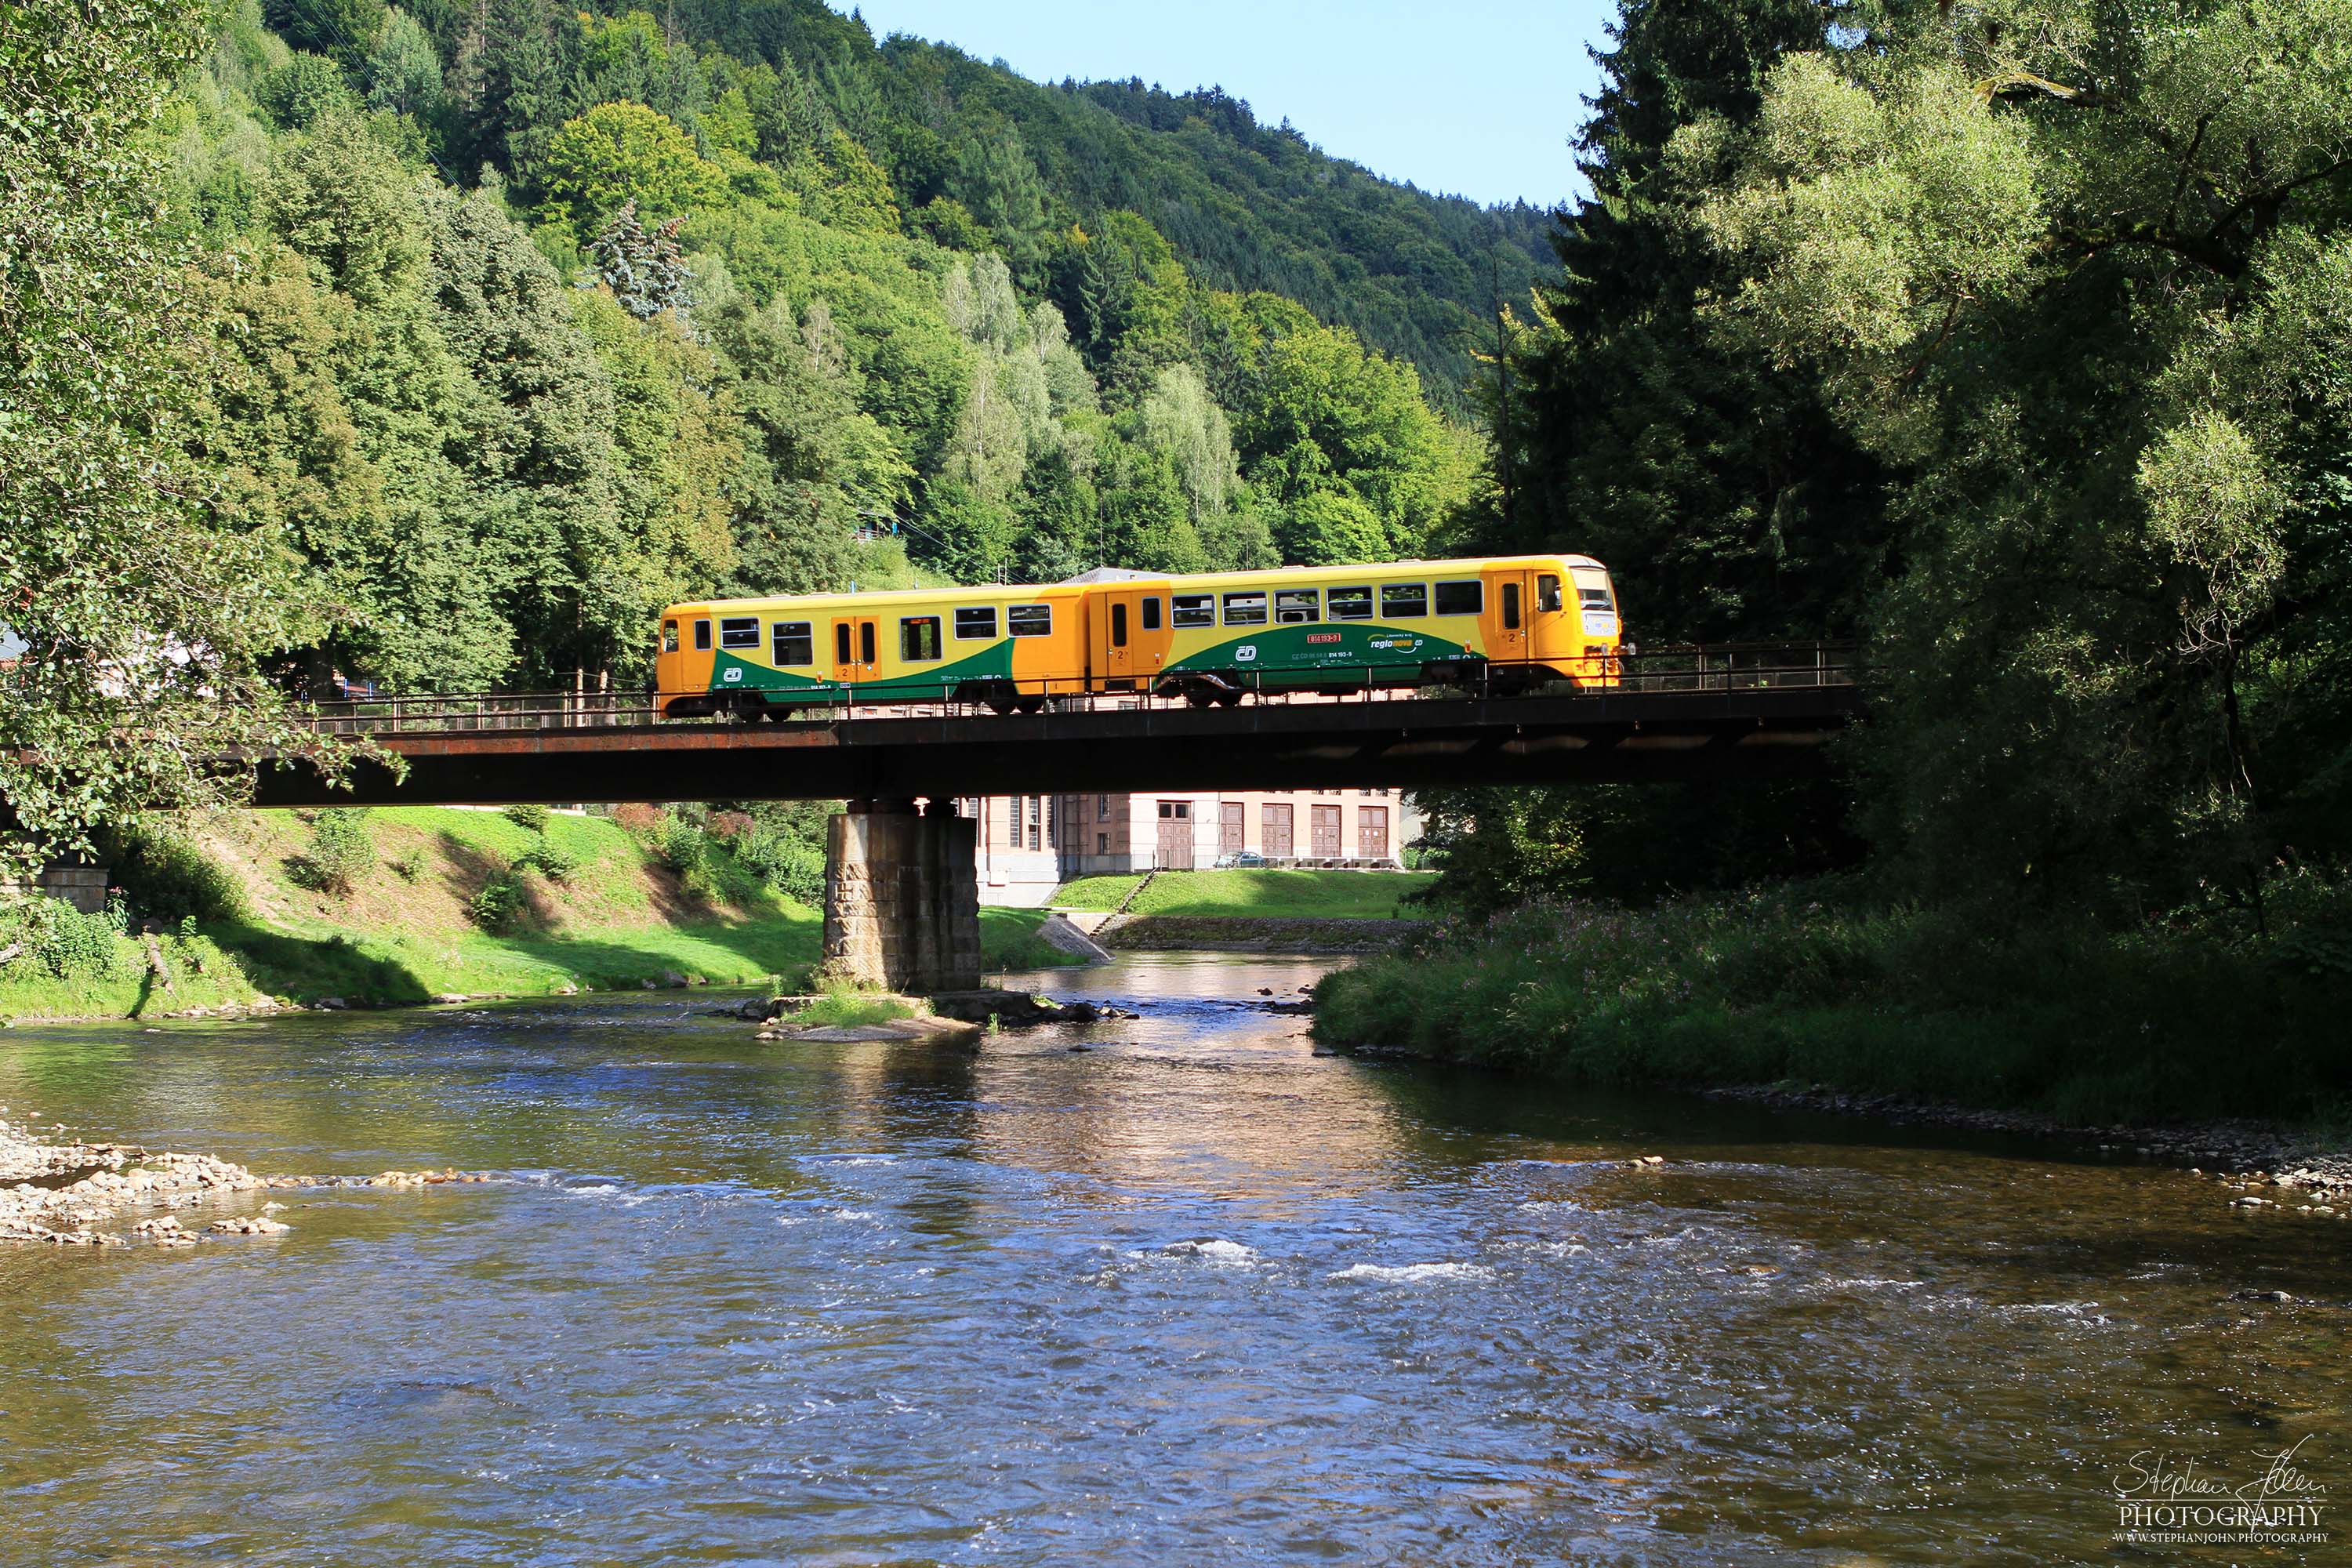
1694,669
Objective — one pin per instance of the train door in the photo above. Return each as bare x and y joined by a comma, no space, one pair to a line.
1130,634
1509,617
857,649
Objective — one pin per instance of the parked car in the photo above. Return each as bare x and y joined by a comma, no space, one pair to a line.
1241,858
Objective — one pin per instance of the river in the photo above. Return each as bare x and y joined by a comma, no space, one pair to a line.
1190,1294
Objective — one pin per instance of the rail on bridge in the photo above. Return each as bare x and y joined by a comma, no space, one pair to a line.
1756,710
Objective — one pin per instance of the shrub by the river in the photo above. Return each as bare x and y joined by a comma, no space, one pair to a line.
52,935
530,818
341,854
498,905
171,876
1806,985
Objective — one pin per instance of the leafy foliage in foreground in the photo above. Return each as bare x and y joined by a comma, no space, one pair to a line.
1812,985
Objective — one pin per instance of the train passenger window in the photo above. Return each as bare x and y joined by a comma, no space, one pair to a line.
1400,600
1119,626
865,642
1151,613
703,637
841,642
918,638
739,633
1029,620
1193,609
1547,594
669,637
976,622
1348,603
1461,598
1245,609
1294,605
795,642
1510,606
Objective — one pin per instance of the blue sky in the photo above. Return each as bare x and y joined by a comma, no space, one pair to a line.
1477,98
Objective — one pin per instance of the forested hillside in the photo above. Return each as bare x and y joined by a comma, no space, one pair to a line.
519,319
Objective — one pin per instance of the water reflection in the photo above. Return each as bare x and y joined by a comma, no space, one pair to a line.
1188,1294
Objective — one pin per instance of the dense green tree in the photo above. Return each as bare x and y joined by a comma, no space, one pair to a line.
305,89
624,152
138,604
2080,280
344,30
402,73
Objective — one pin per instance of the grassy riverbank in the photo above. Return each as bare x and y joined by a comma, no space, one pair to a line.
398,906
1799,989
1253,894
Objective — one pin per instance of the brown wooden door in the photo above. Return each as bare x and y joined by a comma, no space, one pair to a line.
1372,832
1278,832
1175,836
1229,827
1326,824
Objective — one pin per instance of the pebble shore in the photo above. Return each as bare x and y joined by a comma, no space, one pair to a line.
69,1192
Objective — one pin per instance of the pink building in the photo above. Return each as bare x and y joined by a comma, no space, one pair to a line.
1030,844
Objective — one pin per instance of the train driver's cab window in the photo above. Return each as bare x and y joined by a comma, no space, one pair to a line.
1294,606
1151,613
1245,609
1029,620
1510,606
1461,598
1119,626
795,643
669,637
1193,610
703,637
1592,592
1348,603
918,638
1404,600
976,624
1547,594
739,633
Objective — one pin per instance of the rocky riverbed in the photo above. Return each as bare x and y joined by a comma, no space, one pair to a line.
77,1194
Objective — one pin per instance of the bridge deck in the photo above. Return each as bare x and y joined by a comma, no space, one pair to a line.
1768,720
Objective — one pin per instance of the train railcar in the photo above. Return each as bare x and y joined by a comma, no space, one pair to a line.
1507,624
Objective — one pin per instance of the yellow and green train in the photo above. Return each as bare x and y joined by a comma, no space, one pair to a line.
1508,622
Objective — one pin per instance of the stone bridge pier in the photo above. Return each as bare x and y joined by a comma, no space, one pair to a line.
902,897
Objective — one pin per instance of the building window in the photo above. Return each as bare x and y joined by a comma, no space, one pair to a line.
1348,603
1102,808
795,642
1461,598
1102,843
1193,610
918,638
1276,835
1036,840
1029,620
1404,600
1245,609
739,632
975,623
